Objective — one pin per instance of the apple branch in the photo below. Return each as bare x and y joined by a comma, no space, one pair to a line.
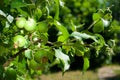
18,53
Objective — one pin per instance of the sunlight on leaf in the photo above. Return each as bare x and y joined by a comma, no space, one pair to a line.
86,63
81,36
28,54
64,31
105,22
63,57
10,18
2,13
61,3
73,27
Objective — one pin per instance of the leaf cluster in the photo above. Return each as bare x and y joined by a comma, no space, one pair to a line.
67,24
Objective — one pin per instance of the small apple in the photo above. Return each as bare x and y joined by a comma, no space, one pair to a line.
41,56
19,41
42,27
30,25
20,22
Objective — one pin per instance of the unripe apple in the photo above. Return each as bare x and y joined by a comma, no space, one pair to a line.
20,22
30,25
42,27
41,56
19,41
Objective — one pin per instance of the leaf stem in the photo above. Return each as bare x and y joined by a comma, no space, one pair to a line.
57,10
93,24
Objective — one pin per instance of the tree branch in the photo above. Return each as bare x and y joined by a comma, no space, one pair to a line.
14,56
18,53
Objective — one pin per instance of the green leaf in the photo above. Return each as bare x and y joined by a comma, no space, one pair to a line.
17,4
24,13
44,38
20,65
62,57
98,27
61,38
34,65
99,44
2,13
6,2
115,26
73,27
10,18
111,43
79,48
39,55
28,54
37,14
1,72
100,40
3,51
79,52
96,16
65,33
56,61
10,74
86,63
108,16
21,3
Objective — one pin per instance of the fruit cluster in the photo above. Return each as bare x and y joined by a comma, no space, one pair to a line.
29,25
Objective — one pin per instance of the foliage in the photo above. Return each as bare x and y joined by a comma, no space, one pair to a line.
52,32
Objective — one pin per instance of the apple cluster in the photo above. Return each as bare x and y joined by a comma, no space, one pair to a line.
28,25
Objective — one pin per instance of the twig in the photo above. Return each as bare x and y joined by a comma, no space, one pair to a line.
93,24
50,43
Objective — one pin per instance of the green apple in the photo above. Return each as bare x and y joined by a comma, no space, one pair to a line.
19,41
30,25
41,56
20,22
42,27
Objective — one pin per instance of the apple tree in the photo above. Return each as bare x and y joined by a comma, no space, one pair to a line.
38,34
